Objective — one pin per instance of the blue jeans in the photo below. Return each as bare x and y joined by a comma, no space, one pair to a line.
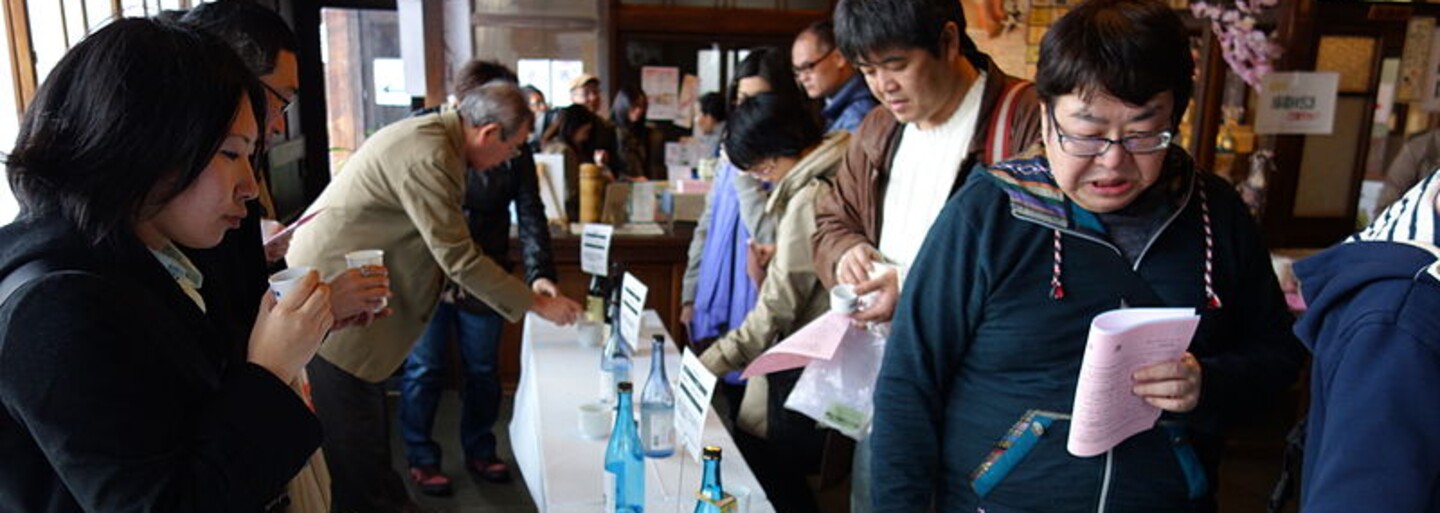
479,338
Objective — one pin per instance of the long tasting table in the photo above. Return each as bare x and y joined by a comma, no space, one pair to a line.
564,471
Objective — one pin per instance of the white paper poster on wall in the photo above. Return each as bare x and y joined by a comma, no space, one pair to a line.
661,85
390,83
1297,103
1430,95
689,93
1419,32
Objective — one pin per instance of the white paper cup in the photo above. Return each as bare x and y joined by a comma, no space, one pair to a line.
282,282
365,257
842,299
595,420
591,334
741,494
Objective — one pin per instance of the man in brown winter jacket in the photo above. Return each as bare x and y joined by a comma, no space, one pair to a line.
948,108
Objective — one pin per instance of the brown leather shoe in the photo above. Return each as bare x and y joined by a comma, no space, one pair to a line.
431,481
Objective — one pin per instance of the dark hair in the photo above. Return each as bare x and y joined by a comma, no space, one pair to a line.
568,122
476,73
625,98
1130,49
824,33
772,65
100,154
767,126
530,89
864,27
255,33
713,105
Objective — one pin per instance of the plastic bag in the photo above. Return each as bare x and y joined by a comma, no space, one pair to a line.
839,393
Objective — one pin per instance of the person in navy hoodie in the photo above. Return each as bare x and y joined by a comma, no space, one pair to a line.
1371,441
973,399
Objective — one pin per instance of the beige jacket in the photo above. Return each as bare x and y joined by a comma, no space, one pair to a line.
402,193
792,295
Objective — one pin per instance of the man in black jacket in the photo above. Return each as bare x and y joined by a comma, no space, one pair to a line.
488,195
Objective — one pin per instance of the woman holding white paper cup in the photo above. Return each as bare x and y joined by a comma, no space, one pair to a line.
120,388
980,370
776,141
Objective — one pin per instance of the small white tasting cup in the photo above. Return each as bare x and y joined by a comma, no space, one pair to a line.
364,257
592,334
283,281
595,420
842,299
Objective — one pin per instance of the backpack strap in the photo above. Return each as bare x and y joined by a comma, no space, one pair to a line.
26,273
999,142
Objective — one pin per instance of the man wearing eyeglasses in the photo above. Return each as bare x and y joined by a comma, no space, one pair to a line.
824,73
403,192
973,400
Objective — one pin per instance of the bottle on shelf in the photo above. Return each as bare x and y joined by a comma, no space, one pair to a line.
624,461
657,406
712,497
615,357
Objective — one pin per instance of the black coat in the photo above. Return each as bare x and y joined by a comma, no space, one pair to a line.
119,394
488,195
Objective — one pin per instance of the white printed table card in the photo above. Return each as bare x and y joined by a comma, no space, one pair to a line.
595,248
632,305
692,402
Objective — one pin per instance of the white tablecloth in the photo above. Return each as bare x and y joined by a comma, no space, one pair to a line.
564,471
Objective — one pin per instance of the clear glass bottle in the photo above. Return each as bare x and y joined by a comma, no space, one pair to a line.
615,357
624,461
657,406
712,497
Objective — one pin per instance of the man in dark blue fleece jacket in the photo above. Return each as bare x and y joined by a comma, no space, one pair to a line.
1372,442
973,400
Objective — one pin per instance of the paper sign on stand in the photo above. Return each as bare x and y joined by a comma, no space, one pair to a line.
642,202
595,248
1120,343
632,304
692,403
1297,103
550,172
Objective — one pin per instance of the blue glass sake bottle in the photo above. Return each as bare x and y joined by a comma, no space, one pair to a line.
712,497
624,462
657,406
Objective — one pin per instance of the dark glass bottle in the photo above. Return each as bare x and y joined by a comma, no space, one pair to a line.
596,299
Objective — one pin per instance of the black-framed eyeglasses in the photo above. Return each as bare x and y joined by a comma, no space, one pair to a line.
810,66
1093,146
285,101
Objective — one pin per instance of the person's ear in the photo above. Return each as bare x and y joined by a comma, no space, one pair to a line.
950,40
486,131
